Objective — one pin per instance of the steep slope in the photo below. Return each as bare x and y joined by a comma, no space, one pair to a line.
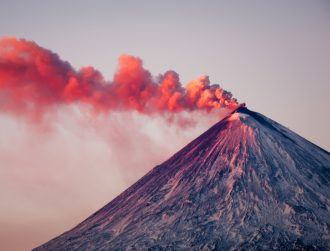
246,183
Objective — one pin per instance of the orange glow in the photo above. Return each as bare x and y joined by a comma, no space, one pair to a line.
33,78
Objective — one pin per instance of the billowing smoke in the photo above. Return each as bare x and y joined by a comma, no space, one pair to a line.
85,160
34,79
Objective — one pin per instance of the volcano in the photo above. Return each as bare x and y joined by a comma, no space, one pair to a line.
247,183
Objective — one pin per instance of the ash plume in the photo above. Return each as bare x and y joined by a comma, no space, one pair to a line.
34,79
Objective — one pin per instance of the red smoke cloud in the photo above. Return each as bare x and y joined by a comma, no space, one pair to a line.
33,79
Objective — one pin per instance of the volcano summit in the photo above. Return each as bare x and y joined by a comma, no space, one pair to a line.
247,183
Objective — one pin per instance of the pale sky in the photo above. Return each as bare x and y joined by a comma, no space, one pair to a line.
273,55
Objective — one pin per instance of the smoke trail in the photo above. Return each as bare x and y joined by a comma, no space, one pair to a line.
34,79
86,160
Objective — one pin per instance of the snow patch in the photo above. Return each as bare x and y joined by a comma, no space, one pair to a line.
238,116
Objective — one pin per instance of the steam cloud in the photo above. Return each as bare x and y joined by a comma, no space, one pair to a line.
105,154
33,79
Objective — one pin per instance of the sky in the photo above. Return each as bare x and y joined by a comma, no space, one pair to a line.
273,55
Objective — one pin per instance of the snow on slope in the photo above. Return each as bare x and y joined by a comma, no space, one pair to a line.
247,183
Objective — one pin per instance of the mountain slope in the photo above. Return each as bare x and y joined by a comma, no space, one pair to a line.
246,183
